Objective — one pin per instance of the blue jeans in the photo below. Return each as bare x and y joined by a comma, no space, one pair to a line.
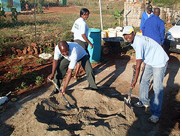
158,76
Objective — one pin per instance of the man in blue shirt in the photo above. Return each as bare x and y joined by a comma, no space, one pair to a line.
154,27
145,16
155,59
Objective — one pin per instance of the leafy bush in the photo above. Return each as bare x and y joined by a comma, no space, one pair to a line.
19,69
41,61
39,80
22,86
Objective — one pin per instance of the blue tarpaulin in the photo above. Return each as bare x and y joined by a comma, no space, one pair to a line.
8,4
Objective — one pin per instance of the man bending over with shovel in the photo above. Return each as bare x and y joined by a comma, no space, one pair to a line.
152,54
66,55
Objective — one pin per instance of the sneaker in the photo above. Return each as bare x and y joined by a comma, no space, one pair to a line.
139,104
154,119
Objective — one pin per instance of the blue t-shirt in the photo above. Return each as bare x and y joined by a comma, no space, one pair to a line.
154,28
145,16
149,51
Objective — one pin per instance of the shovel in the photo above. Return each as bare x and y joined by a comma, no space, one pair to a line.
68,105
127,100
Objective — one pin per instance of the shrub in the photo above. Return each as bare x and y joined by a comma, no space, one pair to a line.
39,80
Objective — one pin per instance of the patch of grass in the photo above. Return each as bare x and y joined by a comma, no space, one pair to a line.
9,76
13,56
19,70
40,61
39,80
47,49
1,51
67,36
22,86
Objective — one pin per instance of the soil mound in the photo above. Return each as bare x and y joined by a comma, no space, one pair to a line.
93,114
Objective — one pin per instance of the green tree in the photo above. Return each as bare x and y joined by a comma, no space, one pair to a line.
118,15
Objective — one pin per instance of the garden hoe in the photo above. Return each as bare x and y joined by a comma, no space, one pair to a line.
69,106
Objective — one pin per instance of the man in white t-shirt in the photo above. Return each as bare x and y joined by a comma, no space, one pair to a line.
80,31
155,58
66,55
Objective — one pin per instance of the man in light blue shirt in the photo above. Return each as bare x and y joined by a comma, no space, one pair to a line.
155,59
66,55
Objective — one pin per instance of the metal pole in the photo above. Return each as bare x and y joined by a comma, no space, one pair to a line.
127,17
35,1
100,14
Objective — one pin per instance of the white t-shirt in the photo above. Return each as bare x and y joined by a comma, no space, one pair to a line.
76,52
80,27
149,14
149,51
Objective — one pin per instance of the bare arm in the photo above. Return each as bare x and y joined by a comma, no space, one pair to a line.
67,80
138,65
54,66
87,40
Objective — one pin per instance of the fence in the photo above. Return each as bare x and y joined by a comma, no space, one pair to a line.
46,24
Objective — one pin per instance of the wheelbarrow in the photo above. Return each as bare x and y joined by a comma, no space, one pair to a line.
113,45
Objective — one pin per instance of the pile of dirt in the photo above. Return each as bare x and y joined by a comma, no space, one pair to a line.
93,114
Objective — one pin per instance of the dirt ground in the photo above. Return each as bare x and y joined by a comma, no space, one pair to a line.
98,113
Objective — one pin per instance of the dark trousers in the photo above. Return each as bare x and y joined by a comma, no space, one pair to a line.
63,66
83,44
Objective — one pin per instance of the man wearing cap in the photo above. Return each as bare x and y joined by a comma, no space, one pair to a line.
155,58
145,15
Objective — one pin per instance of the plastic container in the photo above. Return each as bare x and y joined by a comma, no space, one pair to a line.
112,33
63,2
118,29
119,34
94,36
104,33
